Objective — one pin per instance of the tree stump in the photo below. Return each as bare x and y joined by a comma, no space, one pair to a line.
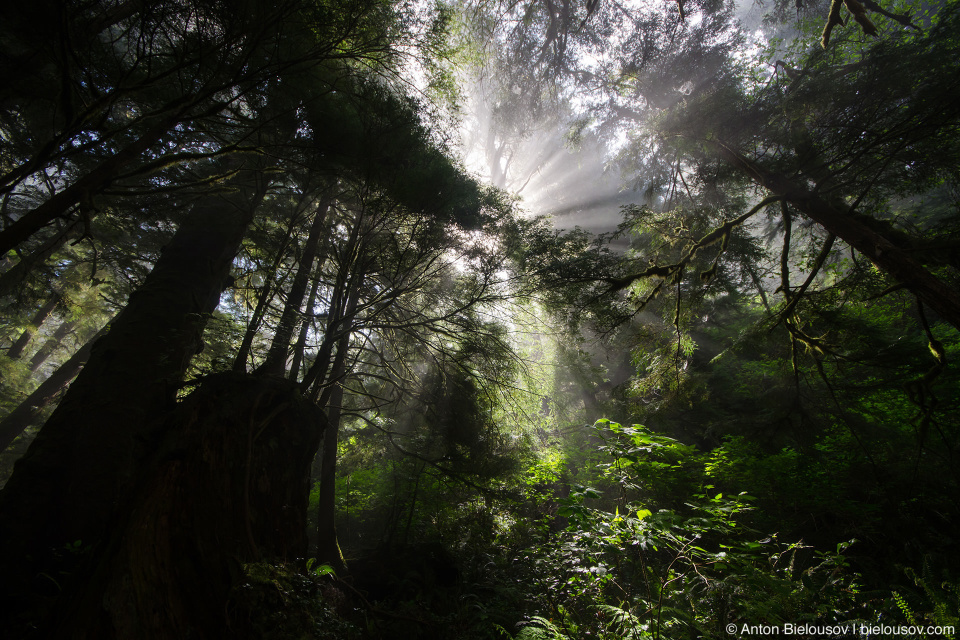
229,486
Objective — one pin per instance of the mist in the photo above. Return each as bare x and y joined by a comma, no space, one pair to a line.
567,319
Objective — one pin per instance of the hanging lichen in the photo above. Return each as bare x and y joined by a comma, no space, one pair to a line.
856,9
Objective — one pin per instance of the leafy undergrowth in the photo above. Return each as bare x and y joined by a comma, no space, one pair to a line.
634,581
614,560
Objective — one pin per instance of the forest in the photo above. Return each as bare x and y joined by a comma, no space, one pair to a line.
443,319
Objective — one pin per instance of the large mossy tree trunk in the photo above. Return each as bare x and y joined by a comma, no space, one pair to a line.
79,472
229,485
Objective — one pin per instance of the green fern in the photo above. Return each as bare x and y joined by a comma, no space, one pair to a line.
905,608
942,598
541,629
623,623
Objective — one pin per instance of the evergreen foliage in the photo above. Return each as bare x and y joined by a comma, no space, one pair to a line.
275,364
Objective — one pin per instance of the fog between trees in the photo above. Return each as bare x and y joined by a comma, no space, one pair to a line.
533,320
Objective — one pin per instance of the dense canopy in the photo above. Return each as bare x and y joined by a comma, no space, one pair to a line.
459,319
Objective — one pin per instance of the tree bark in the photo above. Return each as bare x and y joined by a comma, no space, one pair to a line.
51,345
27,411
343,305
13,278
263,298
328,547
889,257
229,485
16,350
339,327
276,361
79,471
301,346
91,183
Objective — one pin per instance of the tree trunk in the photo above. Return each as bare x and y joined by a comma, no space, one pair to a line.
328,547
18,347
301,345
91,183
276,361
343,306
253,327
263,299
890,258
80,469
27,411
413,504
13,278
339,327
51,345
229,485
